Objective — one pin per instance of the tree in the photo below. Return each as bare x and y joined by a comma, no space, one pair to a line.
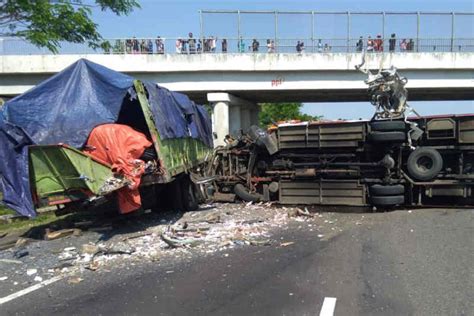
274,112
46,23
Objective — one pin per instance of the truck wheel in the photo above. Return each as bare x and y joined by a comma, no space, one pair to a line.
387,200
381,190
189,196
388,126
383,137
245,195
424,163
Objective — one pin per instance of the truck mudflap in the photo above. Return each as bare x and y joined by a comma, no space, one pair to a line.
60,174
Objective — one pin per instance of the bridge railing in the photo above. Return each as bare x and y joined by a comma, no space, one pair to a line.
170,45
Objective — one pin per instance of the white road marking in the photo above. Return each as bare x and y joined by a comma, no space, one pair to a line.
329,305
28,290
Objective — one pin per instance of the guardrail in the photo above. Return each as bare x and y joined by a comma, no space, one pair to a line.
166,45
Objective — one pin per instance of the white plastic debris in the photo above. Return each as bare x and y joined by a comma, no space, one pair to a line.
38,278
31,271
3,278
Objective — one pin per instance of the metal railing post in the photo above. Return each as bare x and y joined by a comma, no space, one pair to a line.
277,47
452,30
383,30
238,32
312,31
201,30
417,31
348,30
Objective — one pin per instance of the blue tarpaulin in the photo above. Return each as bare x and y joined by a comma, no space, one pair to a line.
65,109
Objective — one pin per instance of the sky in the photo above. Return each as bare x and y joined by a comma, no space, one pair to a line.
175,18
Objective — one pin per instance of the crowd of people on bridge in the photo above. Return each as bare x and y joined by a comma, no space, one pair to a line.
192,45
377,44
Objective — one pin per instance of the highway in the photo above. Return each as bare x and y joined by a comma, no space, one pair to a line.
397,263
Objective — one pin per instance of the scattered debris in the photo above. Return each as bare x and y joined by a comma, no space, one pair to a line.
120,248
38,279
285,244
175,243
90,249
75,280
20,253
93,266
31,271
3,278
52,235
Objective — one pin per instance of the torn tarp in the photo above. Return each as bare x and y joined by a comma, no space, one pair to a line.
176,116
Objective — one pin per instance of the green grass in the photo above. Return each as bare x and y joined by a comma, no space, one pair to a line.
28,223
5,211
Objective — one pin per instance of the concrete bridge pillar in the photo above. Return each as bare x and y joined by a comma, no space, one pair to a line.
230,115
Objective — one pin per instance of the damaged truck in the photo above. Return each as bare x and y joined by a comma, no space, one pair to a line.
90,136
392,159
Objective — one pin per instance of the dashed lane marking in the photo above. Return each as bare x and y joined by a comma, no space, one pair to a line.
328,307
29,290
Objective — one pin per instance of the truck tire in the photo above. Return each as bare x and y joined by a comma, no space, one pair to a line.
245,195
387,200
384,137
424,163
383,190
388,126
189,195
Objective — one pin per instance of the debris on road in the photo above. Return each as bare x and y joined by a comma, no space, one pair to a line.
75,280
31,271
52,235
156,237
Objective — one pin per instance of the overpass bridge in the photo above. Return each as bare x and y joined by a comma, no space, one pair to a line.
234,83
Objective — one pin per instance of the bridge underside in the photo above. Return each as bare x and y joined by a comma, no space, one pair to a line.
341,95
314,87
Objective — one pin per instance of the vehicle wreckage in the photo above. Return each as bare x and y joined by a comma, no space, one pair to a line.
90,136
392,159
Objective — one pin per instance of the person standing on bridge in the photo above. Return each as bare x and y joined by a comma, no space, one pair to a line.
378,44
370,44
178,46
150,46
360,45
270,46
241,45
224,45
255,45
411,45
320,46
403,45
392,42
160,47
191,43
213,44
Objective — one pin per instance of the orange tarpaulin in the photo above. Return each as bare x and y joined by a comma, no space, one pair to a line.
121,146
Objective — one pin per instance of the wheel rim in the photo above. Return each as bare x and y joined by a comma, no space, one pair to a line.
424,163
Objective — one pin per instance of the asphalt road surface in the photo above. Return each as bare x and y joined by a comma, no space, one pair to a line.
397,263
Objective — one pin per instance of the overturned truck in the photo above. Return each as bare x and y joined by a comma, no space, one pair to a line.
390,160
91,136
